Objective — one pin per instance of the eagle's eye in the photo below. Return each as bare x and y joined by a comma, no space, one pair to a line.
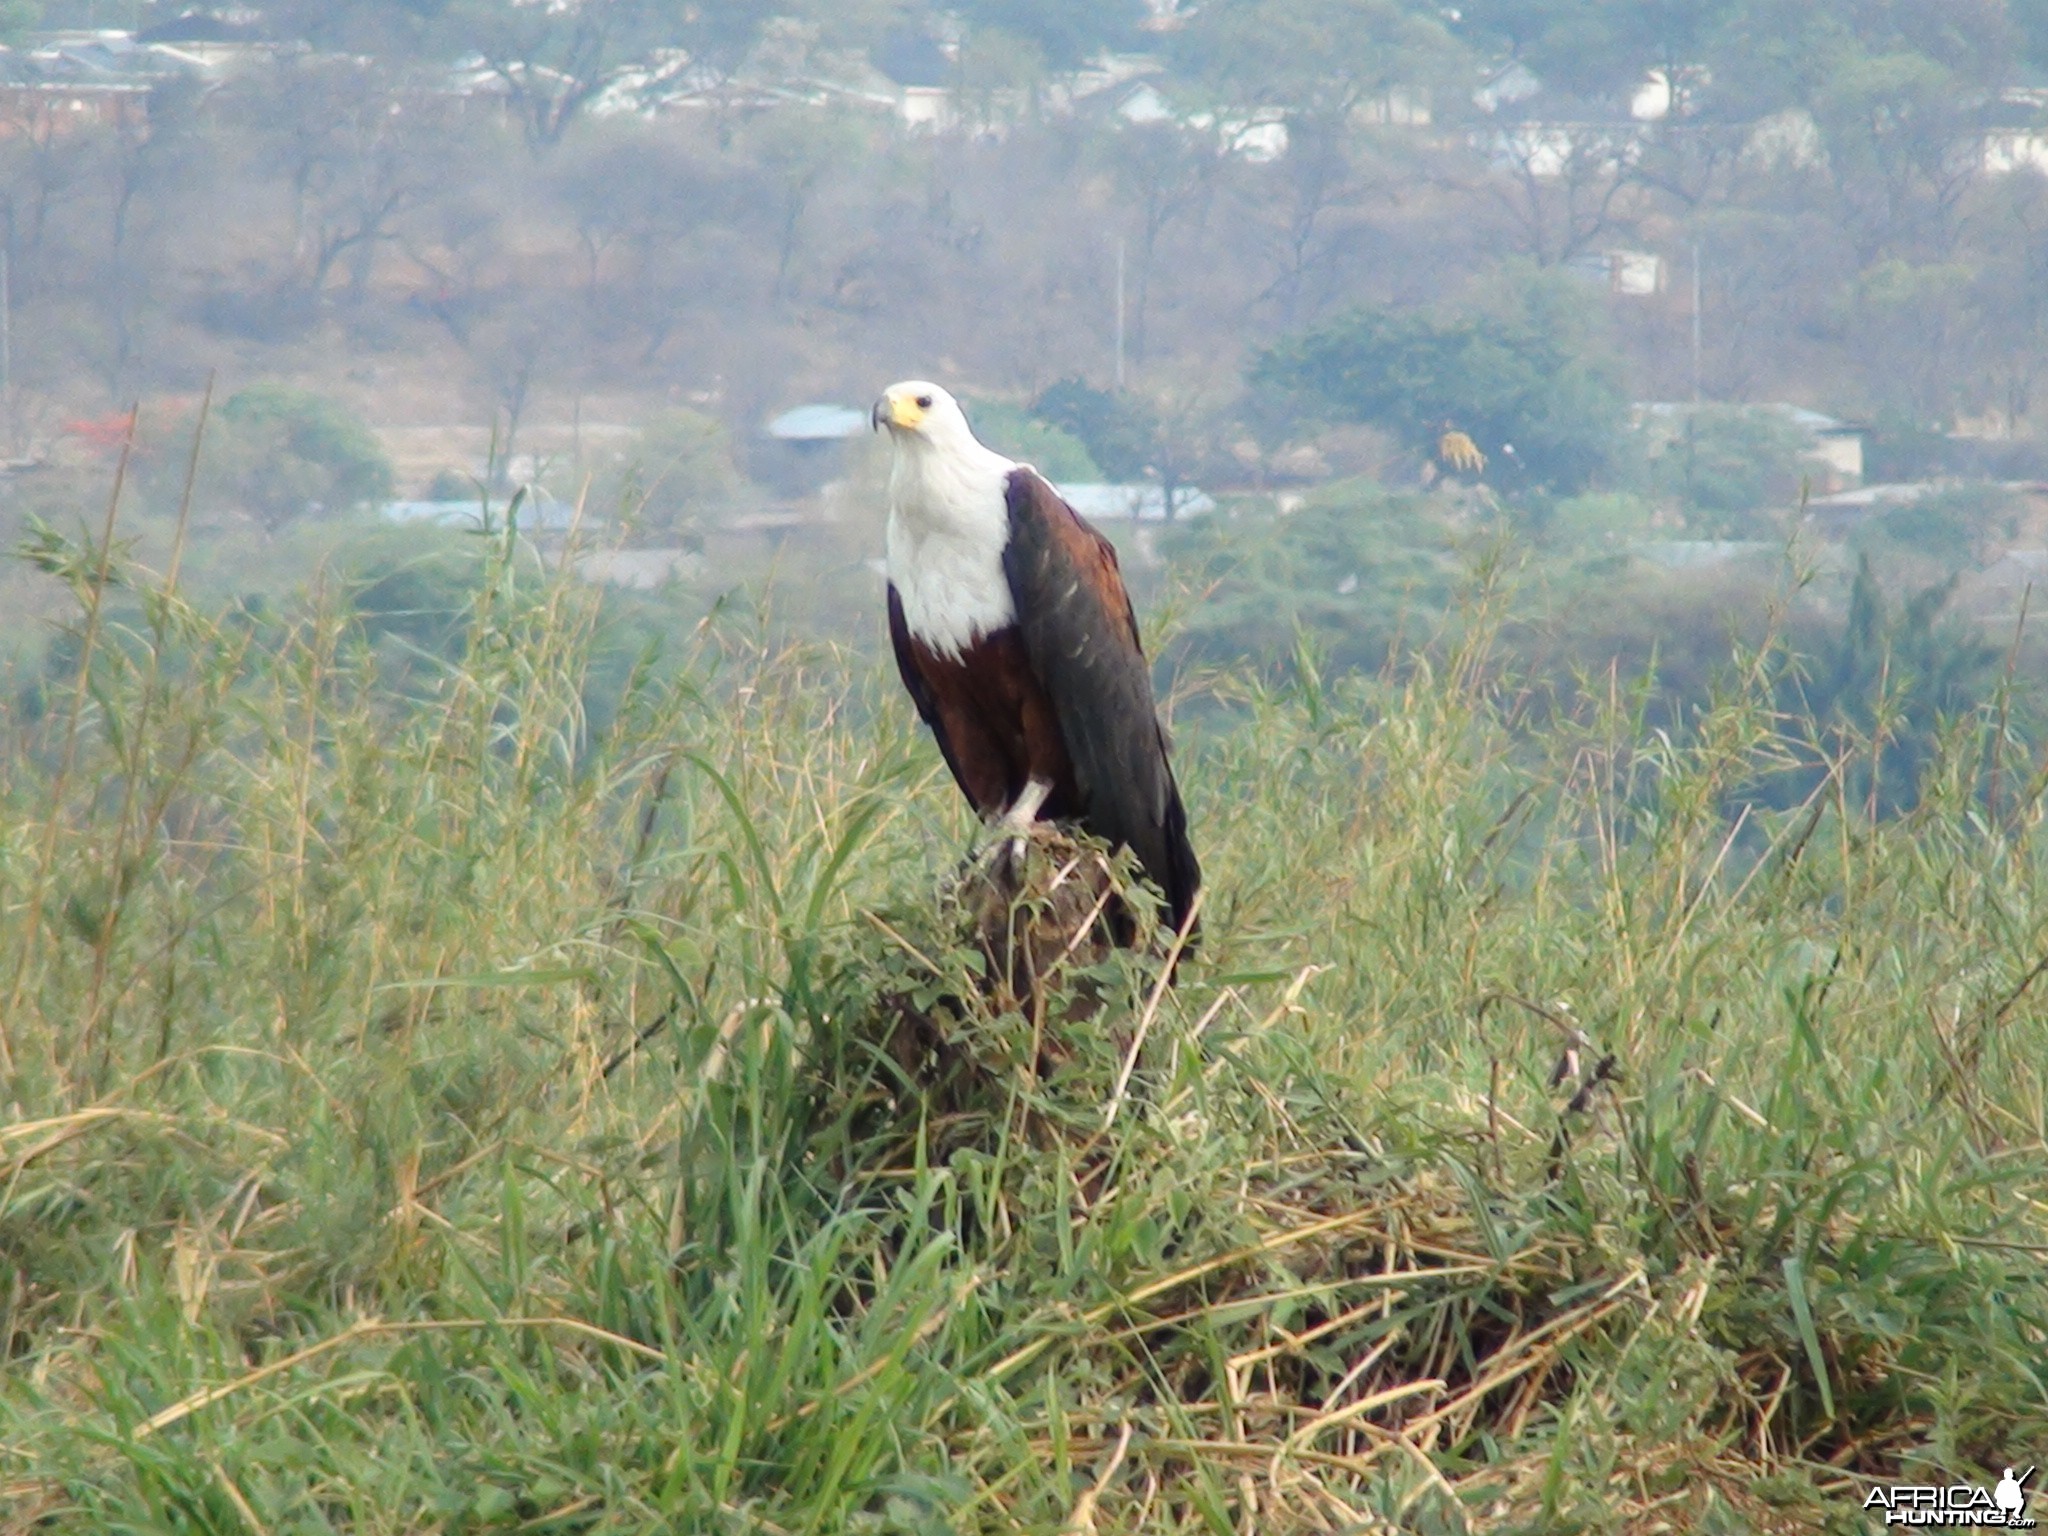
924,402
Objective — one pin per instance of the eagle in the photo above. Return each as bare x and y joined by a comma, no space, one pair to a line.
1017,643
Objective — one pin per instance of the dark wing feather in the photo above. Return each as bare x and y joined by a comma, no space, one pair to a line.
1082,641
921,691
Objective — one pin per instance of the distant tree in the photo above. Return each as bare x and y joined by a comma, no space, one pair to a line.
457,242
1354,568
1325,68
1768,55
679,474
992,70
451,485
1892,675
1313,200
1168,434
391,29
17,17
1315,59
278,454
1772,265
511,334
1118,429
1901,131
1190,407
1563,186
1055,452
1910,322
40,173
1596,47
1735,471
1164,174
719,36
1065,32
1956,529
553,60
1530,370
352,163
2005,335
797,154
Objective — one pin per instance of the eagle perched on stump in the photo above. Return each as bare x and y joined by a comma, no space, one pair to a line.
1016,639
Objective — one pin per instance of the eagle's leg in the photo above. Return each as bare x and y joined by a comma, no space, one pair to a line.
1017,820
1010,829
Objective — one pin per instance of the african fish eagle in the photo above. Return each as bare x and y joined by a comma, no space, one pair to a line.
1016,639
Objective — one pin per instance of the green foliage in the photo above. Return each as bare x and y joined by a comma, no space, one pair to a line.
1600,520
679,474
411,593
1065,32
17,17
1350,571
554,60
1736,471
452,1113
1313,58
450,485
1118,429
1599,47
1764,54
1904,448
1956,529
1893,676
278,454
2030,20
1058,454
1529,370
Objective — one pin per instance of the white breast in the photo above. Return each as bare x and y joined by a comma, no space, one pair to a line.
948,523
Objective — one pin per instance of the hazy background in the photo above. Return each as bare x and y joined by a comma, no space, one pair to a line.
489,1032
1693,278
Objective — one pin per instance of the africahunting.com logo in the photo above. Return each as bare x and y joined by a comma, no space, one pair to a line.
1958,1504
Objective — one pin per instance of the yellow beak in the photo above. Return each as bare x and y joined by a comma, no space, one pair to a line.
899,411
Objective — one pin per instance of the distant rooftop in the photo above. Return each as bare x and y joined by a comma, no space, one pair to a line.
538,513
1139,503
818,423
204,26
1806,419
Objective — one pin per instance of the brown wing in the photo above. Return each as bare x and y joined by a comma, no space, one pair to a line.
1081,639
908,663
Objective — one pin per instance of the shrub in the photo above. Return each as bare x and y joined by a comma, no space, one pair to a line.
679,471
1118,429
1600,519
277,453
1351,569
1955,528
451,485
1529,370
1731,468
1055,452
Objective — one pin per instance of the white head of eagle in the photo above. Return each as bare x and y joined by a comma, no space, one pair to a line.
1016,640
947,519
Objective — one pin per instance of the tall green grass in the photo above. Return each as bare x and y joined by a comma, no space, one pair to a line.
425,1110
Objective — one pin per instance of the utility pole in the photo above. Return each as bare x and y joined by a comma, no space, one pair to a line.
1692,416
1695,322
1119,311
7,345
